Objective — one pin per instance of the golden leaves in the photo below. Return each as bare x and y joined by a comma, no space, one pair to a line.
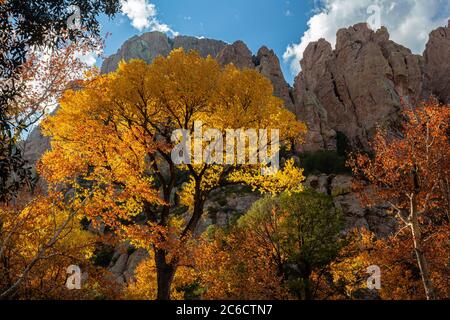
288,179
111,144
38,241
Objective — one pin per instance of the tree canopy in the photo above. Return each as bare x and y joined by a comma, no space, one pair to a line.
27,28
112,142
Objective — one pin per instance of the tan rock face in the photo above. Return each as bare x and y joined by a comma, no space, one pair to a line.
355,87
124,262
268,64
238,53
356,215
437,64
206,47
313,82
146,47
152,44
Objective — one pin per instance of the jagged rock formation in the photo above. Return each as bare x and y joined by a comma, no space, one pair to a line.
238,53
362,83
437,64
268,64
348,90
356,86
152,44
265,61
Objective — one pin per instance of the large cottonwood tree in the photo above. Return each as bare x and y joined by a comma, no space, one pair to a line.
112,144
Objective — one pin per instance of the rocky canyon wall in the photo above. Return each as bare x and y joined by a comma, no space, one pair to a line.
363,82
366,81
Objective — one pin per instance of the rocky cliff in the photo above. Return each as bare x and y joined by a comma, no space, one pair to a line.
346,91
364,82
437,64
150,45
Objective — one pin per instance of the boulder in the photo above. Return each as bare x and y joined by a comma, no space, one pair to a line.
341,185
133,261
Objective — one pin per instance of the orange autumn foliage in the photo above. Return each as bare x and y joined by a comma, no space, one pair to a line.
410,170
346,277
39,239
145,286
236,267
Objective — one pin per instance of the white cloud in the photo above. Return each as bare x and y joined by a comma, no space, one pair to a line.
408,21
143,15
89,58
288,13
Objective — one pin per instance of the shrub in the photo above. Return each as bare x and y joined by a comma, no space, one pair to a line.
323,161
304,228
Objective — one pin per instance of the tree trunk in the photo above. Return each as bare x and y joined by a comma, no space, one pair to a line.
306,275
303,271
196,214
165,273
421,259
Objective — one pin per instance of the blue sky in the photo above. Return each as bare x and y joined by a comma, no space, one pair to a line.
286,26
274,23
